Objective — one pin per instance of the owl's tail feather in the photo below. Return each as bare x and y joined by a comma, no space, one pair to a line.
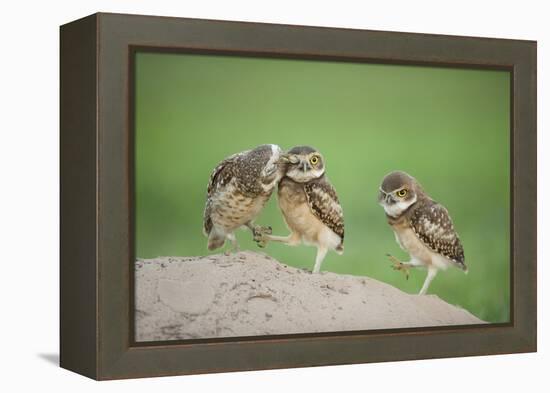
340,249
462,266
215,240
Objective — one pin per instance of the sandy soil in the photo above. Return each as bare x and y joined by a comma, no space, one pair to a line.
250,293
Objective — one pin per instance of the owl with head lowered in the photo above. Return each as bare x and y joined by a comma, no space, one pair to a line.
238,190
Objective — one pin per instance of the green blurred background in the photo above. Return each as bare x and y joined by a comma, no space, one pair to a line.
447,127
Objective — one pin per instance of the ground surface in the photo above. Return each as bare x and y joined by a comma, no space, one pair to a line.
253,294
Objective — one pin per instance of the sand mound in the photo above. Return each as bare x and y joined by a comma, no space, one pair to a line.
250,293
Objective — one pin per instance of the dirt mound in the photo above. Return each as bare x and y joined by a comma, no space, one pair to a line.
250,293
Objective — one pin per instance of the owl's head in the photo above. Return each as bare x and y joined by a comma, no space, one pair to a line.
304,163
398,192
272,169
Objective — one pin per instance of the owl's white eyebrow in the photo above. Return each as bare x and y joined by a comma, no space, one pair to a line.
390,192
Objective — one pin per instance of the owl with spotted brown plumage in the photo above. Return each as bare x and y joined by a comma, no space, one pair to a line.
238,190
422,227
309,205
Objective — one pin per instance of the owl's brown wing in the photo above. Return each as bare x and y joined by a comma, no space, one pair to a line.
222,174
434,227
324,204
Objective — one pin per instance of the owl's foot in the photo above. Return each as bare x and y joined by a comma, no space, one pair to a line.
399,266
260,235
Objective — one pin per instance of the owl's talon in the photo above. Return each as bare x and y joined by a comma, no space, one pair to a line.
262,243
260,234
257,236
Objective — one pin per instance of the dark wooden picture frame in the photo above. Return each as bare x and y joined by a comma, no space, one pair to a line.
97,257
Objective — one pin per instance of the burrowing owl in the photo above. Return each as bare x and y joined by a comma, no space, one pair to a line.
309,205
239,188
422,227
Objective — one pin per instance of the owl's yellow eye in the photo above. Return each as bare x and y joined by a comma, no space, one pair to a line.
314,160
402,193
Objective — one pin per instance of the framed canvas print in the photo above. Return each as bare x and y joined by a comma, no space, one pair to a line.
241,196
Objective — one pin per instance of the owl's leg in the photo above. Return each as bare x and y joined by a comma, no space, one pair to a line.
291,240
321,253
401,266
432,271
235,245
